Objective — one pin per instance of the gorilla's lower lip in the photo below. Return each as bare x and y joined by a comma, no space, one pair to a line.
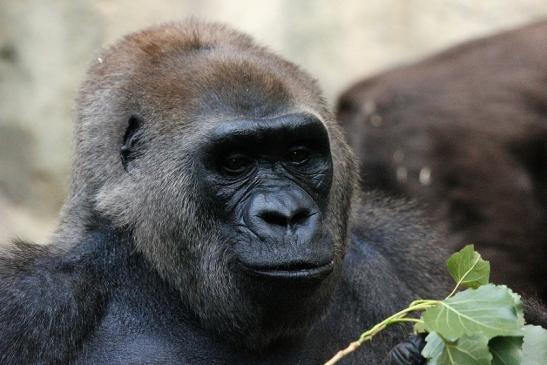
294,272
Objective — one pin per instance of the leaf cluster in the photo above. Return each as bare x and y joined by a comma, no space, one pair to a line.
483,324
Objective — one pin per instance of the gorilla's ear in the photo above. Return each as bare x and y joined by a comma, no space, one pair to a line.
131,142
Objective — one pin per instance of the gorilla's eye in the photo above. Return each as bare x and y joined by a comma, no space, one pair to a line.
236,164
299,155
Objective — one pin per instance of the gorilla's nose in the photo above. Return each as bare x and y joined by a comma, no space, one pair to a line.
283,215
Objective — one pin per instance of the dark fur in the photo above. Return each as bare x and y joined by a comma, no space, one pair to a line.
137,271
476,116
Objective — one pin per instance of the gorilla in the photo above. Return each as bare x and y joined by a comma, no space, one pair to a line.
213,218
465,134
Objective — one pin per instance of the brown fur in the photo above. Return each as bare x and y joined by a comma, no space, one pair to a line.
476,117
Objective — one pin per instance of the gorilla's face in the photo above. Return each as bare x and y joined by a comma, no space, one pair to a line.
235,182
238,213
239,219
269,181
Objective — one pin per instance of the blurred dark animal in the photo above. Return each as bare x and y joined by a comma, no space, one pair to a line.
465,134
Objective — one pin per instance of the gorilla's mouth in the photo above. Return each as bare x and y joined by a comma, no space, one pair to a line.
291,271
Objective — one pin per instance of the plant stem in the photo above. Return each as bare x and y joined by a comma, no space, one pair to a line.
399,317
413,320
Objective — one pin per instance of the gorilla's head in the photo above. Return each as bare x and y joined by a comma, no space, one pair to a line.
225,165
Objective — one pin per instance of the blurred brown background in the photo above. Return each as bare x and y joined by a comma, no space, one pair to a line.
45,47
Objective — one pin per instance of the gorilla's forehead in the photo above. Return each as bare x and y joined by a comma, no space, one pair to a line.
184,76
235,78
215,89
211,84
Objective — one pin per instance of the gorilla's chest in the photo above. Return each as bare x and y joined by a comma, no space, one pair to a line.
132,336
149,335
133,349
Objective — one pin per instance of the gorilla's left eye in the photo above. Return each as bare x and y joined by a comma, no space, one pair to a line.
299,155
236,164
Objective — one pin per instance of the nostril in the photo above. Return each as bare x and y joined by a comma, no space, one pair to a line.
274,218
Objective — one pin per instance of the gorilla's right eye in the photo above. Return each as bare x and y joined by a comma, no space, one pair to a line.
236,164
299,155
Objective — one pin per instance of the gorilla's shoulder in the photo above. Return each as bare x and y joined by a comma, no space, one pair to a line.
48,303
28,272
381,219
391,236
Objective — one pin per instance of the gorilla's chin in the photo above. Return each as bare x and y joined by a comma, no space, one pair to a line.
283,309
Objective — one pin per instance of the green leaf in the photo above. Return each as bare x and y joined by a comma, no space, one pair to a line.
534,346
434,346
506,350
491,310
468,269
419,327
472,350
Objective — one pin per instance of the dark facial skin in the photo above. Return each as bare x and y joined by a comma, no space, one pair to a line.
270,180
